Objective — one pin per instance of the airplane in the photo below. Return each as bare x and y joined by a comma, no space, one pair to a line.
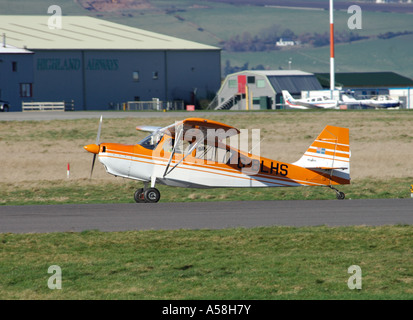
309,103
193,153
381,101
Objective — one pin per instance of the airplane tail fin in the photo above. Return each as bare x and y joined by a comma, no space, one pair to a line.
287,96
330,152
347,98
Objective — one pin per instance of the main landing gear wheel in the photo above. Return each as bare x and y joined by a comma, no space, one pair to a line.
151,195
139,196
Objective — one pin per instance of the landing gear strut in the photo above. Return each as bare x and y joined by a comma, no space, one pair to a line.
340,195
150,195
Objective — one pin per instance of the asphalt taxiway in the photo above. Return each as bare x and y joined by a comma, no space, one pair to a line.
50,115
203,215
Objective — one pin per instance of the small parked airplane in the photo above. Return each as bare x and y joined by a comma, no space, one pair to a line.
381,101
309,103
193,153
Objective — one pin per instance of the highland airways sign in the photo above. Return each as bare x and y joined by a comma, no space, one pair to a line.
68,64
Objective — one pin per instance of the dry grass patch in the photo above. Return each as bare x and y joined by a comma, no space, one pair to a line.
381,141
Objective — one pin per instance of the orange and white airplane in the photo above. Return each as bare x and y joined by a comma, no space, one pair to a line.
193,153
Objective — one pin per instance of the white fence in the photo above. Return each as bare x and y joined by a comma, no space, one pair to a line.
155,105
47,106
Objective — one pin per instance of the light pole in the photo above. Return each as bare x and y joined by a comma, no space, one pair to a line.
332,80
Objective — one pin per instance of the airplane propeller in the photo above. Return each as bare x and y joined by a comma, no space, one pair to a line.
94,148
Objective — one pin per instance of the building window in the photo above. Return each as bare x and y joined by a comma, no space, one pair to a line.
155,75
26,90
260,83
232,84
14,66
135,76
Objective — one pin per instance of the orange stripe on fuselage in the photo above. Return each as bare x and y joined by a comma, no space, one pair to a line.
267,167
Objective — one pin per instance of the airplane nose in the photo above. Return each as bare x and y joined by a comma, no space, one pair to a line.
92,148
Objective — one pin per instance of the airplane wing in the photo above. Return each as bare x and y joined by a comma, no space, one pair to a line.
310,106
302,105
148,128
200,124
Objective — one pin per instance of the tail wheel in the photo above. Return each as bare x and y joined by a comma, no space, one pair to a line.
341,195
139,196
152,195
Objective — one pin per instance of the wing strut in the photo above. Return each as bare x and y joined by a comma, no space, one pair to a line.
192,148
181,130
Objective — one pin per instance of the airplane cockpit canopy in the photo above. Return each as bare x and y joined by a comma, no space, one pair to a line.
150,142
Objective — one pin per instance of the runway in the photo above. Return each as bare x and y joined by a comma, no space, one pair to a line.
50,115
203,215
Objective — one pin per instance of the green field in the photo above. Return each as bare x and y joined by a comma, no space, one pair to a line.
259,263
268,263
101,191
36,154
384,55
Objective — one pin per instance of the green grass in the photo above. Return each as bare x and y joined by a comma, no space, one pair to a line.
96,191
258,263
361,56
39,7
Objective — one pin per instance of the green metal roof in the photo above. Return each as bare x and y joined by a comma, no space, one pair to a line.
80,32
365,79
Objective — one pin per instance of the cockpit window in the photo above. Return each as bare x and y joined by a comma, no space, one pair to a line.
150,142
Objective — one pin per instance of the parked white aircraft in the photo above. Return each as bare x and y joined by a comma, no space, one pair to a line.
309,103
381,101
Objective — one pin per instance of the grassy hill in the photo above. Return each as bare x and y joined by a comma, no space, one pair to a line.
212,22
372,55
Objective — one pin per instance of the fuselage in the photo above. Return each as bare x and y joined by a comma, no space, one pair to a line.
207,167
317,102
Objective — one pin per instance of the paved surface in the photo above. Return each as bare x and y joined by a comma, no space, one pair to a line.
200,215
50,115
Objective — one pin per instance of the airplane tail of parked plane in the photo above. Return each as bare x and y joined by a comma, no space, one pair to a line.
345,98
291,102
287,96
329,152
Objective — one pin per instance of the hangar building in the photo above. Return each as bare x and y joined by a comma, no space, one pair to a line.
98,64
261,89
16,74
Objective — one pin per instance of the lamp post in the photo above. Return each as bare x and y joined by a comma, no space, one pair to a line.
332,80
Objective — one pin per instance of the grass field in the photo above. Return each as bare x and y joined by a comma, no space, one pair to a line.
222,21
103,191
349,58
35,157
259,263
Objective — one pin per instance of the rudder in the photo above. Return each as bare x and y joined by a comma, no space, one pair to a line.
329,151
